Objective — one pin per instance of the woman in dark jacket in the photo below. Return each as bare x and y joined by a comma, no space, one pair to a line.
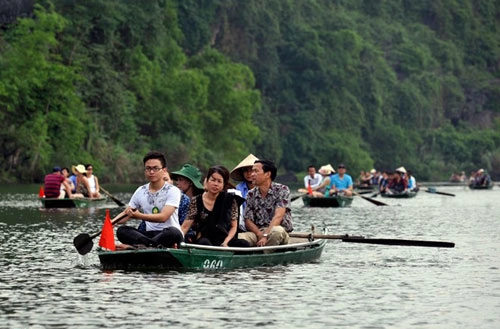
215,213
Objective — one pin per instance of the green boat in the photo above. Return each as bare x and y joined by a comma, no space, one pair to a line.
404,195
488,186
71,203
192,257
335,201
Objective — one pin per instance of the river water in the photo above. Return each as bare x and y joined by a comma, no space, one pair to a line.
44,283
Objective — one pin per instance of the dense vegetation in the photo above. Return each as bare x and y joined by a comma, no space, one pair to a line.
371,83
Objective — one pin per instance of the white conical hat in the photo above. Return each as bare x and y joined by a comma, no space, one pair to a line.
326,170
401,169
247,162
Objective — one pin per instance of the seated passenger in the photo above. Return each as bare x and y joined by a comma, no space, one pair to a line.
326,171
341,183
312,180
398,184
243,174
268,216
215,213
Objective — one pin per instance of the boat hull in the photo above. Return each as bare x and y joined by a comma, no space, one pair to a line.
192,257
481,187
327,202
400,195
71,203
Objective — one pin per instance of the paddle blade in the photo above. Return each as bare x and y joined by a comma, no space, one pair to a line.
41,192
83,243
107,240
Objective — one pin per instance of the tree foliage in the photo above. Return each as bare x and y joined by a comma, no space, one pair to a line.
370,83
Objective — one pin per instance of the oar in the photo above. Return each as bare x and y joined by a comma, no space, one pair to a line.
117,201
362,239
83,241
297,197
375,202
433,190
365,192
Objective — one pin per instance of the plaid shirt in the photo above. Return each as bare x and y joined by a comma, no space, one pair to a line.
261,210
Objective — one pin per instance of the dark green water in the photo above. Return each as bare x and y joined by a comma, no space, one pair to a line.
44,283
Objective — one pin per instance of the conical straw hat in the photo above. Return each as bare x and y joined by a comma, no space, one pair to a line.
247,162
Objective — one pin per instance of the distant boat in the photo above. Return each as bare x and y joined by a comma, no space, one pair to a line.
404,195
192,257
71,203
488,186
335,201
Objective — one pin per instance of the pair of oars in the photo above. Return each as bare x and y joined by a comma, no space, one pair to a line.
362,239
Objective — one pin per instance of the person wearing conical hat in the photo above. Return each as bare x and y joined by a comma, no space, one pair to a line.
398,184
82,183
326,172
243,173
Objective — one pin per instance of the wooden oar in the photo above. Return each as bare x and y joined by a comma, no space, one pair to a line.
297,197
117,201
362,239
433,190
375,202
83,241
365,192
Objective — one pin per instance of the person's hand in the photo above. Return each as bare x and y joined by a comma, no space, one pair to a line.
262,242
224,244
131,212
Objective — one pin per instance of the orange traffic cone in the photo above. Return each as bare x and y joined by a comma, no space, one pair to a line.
41,193
107,240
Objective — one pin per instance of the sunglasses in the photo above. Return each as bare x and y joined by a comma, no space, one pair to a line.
341,167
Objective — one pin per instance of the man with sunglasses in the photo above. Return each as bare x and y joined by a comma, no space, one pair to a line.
341,183
157,204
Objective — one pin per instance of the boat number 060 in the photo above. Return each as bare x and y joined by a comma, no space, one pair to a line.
214,263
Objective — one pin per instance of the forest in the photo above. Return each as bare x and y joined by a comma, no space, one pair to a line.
368,83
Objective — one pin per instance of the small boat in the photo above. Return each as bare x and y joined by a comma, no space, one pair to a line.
71,203
488,186
192,257
404,195
334,201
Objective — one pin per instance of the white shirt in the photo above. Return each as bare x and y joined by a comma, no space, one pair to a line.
148,202
91,180
315,182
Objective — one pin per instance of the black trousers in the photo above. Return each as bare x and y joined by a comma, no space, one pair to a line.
166,238
232,243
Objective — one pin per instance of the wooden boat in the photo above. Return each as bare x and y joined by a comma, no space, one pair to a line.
481,187
71,203
192,257
334,201
405,195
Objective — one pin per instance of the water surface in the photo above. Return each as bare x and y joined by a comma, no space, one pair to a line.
44,283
